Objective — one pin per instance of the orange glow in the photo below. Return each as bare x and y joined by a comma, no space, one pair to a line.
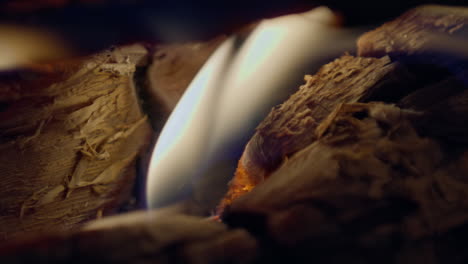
241,184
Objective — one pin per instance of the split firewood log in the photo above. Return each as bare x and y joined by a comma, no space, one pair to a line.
70,133
84,176
423,30
141,237
432,37
287,128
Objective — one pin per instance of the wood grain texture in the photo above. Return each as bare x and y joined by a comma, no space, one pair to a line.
369,182
369,188
426,29
70,135
287,128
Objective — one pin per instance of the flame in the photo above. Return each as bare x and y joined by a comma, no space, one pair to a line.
237,86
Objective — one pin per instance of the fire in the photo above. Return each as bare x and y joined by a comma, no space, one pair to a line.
208,119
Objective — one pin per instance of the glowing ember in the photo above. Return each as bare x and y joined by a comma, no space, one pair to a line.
242,183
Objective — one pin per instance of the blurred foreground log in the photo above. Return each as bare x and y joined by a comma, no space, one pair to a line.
142,237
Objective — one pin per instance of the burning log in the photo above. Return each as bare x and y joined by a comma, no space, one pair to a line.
143,237
287,129
70,135
334,176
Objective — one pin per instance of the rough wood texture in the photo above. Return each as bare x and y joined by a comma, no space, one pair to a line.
69,135
430,37
369,187
144,237
425,29
371,182
349,181
403,62
287,128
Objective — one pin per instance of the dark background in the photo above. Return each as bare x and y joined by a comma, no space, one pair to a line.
91,25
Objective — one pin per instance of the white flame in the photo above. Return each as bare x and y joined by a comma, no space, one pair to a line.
180,147
226,98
